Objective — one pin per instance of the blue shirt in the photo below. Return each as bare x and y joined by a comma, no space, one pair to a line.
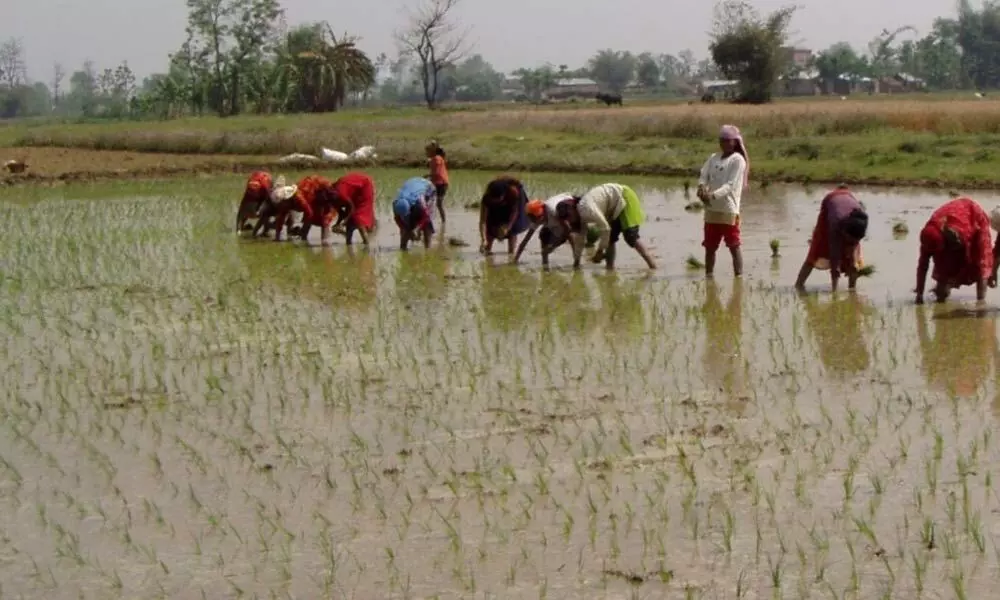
415,192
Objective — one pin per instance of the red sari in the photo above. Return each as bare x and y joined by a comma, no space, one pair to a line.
305,201
255,194
972,225
358,189
828,248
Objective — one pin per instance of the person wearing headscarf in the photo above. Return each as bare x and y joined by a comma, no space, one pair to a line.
557,221
255,197
957,238
502,213
720,186
354,198
412,210
438,174
280,195
836,239
614,210
315,199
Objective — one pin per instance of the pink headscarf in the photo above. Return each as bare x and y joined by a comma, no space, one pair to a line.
732,132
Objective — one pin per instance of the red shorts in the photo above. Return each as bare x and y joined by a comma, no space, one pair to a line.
715,233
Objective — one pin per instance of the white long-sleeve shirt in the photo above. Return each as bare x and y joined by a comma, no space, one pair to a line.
599,207
724,178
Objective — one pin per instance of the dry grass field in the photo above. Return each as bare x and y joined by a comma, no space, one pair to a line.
910,140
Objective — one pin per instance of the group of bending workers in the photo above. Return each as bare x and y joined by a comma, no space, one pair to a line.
956,238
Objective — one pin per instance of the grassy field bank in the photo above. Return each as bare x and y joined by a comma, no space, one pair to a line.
920,141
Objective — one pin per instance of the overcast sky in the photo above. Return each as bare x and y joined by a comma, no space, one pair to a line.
509,33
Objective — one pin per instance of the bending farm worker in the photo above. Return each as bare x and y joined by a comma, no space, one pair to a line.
256,195
280,195
720,187
314,198
502,213
438,174
614,210
412,210
957,239
559,221
836,239
354,197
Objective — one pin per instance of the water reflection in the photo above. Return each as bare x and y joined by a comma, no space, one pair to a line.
958,355
725,366
508,295
622,305
836,324
421,274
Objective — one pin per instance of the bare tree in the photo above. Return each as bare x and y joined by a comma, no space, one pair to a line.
437,42
58,74
13,71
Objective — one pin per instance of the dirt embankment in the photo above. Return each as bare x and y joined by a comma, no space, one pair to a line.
55,166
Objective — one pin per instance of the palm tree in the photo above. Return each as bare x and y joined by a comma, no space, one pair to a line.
327,68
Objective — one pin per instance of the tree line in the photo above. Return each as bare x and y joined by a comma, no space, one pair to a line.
240,56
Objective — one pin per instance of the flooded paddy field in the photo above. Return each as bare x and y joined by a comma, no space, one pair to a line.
188,414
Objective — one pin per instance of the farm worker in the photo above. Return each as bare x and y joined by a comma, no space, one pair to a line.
957,238
559,221
412,209
280,195
438,174
720,187
255,196
354,198
836,239
614,210
315,199
502,213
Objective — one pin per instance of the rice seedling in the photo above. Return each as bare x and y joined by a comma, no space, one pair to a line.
188,409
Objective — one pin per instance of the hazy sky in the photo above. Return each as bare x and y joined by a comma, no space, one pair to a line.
509,33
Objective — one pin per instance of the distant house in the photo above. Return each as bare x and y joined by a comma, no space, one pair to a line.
512,86
849,83
797,58
573,87
800,83
719,88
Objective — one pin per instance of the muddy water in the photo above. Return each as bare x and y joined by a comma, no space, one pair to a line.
190,415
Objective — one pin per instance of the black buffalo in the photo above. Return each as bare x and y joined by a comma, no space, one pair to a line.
610,99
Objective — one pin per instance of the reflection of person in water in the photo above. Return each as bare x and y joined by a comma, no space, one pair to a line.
351,278
836,327
958,357
569,292
622,305
421,276
723,358
508,295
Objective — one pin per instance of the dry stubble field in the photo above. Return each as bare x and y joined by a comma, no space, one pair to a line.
917,140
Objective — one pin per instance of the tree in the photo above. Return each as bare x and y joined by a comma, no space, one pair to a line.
83,90
58,74
536,81
436,41
883,57
747,47
977,35
13,70
324,69
613,70
938,57
837,60
648,71
227,39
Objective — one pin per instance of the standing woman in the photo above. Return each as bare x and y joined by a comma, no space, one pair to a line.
957,238
836,239
412,210
502,213
438,174
720,187
256,195
614,210
354,198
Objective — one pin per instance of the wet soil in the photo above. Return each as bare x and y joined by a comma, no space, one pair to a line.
187,412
